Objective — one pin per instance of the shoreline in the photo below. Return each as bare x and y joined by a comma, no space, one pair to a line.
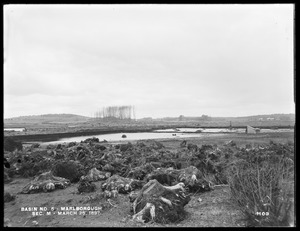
49,137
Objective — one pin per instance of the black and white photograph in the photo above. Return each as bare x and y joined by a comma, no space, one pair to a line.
149,115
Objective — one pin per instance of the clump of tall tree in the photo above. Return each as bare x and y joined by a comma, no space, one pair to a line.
118,112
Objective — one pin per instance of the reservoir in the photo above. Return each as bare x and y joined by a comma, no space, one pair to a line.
163,134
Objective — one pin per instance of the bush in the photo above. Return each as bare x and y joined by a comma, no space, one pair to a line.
11,145
68,170
263,187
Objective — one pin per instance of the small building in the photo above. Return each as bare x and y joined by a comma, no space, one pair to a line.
250,130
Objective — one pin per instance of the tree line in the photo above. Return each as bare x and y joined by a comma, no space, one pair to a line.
119,112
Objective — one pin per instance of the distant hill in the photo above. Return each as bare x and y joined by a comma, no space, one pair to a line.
47,118
270,117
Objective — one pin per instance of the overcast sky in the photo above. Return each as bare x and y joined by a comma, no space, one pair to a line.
166,60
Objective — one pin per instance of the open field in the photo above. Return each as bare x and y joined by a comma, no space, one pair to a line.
213,208
72,125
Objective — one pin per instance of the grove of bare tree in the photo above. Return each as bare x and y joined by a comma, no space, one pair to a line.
119,112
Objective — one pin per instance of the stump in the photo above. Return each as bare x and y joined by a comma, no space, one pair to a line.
96,175
85,186
45,182
160,204
121,184
190,176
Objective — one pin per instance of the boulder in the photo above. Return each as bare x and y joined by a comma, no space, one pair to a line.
45,182
159,204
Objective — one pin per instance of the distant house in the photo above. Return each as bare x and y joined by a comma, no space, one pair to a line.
260,119
269,118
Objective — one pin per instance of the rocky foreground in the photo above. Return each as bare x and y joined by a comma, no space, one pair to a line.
159,183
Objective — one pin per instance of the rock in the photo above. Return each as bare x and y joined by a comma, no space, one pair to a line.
8,197
160,204
45,182
124,136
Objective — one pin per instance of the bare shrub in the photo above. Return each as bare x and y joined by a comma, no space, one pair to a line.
263,188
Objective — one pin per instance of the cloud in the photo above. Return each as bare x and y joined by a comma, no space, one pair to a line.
165,60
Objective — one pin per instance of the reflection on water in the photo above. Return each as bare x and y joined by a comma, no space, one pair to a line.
130,137
222,130
14,129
